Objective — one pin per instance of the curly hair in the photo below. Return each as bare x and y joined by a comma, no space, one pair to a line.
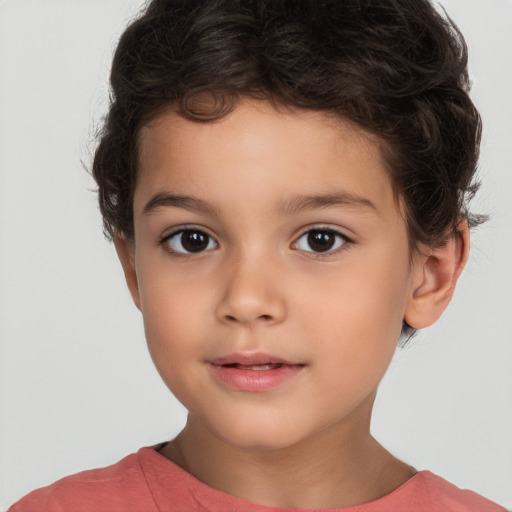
396,68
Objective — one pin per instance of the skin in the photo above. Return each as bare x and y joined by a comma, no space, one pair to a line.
259,286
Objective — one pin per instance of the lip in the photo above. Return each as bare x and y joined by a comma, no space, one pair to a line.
259,380
249,359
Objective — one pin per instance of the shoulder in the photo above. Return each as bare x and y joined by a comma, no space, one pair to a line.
447,497
119,487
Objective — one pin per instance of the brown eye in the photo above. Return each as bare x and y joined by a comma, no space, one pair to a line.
187,241
321,240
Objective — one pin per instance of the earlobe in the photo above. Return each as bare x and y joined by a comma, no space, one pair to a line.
435,275
126,252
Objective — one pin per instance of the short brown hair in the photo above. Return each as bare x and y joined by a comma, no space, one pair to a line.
397,68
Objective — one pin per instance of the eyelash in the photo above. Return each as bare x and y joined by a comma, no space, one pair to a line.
164,241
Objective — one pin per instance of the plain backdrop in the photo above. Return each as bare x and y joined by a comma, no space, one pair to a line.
77,387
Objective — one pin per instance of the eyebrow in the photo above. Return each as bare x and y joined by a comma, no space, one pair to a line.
289,206
299,203
170,200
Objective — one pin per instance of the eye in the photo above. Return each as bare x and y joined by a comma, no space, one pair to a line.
188,241
321,240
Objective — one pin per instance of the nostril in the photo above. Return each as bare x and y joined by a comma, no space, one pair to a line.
231,318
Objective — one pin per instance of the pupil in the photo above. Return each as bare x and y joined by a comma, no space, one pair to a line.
194,241
320,240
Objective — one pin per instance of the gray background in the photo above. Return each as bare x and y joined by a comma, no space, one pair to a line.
77,387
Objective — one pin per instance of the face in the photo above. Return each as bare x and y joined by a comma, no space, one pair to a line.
271,266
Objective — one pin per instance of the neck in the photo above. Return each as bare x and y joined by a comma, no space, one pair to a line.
341,466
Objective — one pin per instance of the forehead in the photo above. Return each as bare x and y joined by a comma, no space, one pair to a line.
259,153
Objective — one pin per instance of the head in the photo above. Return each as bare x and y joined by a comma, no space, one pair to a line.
208,96
396,68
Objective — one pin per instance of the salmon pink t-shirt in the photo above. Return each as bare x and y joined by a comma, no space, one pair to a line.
148,482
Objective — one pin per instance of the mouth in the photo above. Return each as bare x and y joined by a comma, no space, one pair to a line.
255,367
253,372
255,360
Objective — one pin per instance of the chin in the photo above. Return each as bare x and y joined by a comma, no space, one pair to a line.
259,435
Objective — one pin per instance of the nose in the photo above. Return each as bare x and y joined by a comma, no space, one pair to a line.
251,293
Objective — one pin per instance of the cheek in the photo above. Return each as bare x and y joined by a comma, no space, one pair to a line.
172,309
175,342
357,316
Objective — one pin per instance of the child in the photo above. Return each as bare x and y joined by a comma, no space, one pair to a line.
286,184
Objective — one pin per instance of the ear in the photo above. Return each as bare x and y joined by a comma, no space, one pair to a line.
435,274
126,251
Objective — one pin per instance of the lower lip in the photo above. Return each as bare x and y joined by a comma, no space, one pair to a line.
255,381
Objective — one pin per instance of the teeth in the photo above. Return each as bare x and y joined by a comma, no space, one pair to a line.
259,367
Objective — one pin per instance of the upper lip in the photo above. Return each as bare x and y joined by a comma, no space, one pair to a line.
250,359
